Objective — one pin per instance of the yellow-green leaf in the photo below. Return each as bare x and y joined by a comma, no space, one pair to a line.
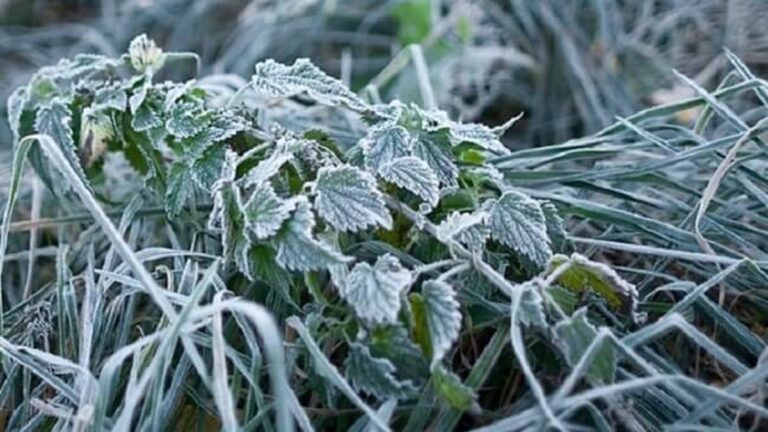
584,274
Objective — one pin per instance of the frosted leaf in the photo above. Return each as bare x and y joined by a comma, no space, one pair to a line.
227,216
449,388
584,274
375,376
443,316
302,77
224,125
385,143
466,228
15,107
374,291
242,256
207,167
177,92
437,121
414,175
574,335
434,149
186,119
339,274
55,119
179,189
478,134
348,200
297,249
490,174
517,221
221,126
111,97
67,73
147,116
265,212
504,127
531,310
221,192
138,97
432,120
555,226
266,168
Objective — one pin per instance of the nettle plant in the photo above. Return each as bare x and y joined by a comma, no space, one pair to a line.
387,236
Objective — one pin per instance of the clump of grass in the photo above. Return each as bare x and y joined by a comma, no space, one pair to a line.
283,252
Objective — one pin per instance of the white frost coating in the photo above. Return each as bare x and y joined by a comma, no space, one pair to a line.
517,221
347,198
374,291
443,317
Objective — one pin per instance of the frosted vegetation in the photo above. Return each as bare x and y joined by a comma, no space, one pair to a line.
285,253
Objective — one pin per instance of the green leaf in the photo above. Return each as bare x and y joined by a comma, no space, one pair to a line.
112,97
207,167
267,167
228,207
466,228
375,376
531,312
517,221
565,299
452,391
297,249
472,157
42,87
443,316
584,274
203,152
326,369
220,127
555,226
265,212
55,119
574,335
394,343
413,175
347,199
477,134
458,200
147,116
138,97
179,189
186,119
264,267
420,326
434,149
277,80
374,291
384,143
14,108
226,215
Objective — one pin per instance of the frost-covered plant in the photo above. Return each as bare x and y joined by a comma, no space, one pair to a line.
385,240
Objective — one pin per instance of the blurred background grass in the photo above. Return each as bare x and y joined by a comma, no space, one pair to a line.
570,65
